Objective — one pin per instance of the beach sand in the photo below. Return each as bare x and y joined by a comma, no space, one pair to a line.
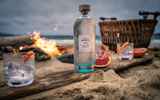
137,83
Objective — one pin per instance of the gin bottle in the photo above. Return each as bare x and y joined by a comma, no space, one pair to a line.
84,41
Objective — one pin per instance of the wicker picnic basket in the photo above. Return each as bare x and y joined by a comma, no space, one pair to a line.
138,31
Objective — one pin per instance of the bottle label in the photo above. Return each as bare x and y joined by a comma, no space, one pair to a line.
84,43
86,68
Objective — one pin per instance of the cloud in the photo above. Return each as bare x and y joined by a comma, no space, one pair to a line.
22,16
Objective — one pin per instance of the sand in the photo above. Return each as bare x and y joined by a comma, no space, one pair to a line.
137,83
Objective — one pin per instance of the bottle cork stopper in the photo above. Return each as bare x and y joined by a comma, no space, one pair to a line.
84,9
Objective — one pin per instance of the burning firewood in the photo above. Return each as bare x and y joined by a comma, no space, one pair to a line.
44,48
40,55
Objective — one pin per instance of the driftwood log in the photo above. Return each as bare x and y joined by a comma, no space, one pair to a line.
123,65
15,40
145,14
116,65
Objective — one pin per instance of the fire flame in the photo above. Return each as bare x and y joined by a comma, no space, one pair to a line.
48,46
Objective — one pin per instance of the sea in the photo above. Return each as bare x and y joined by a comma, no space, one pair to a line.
68,40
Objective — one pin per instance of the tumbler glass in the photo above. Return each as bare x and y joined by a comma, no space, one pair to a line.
125,50
19,69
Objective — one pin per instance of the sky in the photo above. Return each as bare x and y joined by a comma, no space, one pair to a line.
56,17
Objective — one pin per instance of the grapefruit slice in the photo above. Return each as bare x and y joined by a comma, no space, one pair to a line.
125,45
139,52
103,62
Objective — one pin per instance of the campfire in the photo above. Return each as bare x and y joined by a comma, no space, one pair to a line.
42,47
47,46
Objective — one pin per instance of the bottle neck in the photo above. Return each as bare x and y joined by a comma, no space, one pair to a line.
84,16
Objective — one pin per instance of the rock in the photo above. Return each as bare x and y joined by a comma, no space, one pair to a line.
66,58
